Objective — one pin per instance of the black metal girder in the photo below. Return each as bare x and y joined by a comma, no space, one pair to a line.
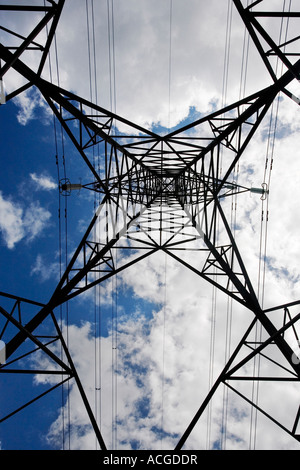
259,35
161,168
52,16
257,101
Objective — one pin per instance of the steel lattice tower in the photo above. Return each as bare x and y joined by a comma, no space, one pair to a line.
161,193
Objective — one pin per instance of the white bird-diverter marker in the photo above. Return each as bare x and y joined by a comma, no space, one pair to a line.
2,93
2,352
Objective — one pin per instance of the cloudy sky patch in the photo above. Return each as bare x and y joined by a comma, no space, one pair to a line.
17,222
43,182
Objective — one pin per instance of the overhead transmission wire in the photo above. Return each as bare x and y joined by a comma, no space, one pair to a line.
227,50
162,424
269,160
114,285
164,309
273,123
111,54
214,297
114,359
263,238
233,226
263,244
66,304
60,233
65,263
170,60
93,85
233,218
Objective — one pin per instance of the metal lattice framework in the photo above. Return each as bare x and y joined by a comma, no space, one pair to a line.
157,193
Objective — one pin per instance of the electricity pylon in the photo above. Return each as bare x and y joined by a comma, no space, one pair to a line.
157,193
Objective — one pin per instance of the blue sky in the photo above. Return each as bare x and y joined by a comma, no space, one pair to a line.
169,320
32,152
30,264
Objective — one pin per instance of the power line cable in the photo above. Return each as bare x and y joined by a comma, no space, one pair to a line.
226,68
170,59
227,52
60,234
273,124
92,73
111,54
214,289
163,350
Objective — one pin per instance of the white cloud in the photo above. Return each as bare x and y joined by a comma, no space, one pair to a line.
141,55
163,369
43,181
44,269
166,360
35,220
17,223
11,224
28,104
